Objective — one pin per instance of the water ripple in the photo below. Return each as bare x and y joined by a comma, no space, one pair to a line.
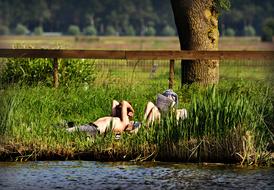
132,176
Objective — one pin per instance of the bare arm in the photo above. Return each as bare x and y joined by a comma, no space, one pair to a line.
128,106
152,114
114,107
127,111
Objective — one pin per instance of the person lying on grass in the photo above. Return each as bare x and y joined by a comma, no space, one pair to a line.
122,113
167,101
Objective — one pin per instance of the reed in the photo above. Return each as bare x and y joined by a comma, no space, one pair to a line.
228,123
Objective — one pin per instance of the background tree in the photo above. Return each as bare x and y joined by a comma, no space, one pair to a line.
229,32
268,30
4,30
38,31
149,31
21,29
57,16
197,26
168,31
90,31
110,31
130,31
73,30
249,31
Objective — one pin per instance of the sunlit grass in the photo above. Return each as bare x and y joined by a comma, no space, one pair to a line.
227,123
231,122
247,70
124,43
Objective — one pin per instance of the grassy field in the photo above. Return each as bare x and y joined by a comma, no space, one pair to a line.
125,43
231,122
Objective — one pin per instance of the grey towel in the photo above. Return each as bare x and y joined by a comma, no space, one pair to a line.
90,129
173,95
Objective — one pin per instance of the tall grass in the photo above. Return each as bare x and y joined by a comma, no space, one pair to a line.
226,123
223,122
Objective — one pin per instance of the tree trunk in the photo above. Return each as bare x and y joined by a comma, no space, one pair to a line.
197,26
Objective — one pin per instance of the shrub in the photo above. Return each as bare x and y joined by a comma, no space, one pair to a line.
76,71
90,31
150,31
229,32
35,71
21,30
73,30
268,30
4,30
249,31
38,31
130,31
110,31
168,31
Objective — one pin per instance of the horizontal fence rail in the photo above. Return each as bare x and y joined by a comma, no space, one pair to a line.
56,54
137,55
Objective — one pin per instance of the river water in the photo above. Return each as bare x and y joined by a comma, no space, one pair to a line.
128,175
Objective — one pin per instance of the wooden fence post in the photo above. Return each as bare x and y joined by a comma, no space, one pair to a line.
171,73
55,73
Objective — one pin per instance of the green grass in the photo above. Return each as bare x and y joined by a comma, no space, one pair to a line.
124,43
231,122
247,70
227,123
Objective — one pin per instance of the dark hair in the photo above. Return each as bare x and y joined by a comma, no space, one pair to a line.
70,124
118,110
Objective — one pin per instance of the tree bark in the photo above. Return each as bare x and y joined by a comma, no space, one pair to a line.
197,26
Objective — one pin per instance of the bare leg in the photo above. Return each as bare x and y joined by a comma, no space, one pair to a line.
152,114
148,109
181,114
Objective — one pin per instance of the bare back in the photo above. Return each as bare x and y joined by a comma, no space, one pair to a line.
109,122
118,121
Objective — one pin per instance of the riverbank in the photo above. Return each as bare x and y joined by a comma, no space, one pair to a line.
228,123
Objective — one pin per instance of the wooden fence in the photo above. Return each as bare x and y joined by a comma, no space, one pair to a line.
56,54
